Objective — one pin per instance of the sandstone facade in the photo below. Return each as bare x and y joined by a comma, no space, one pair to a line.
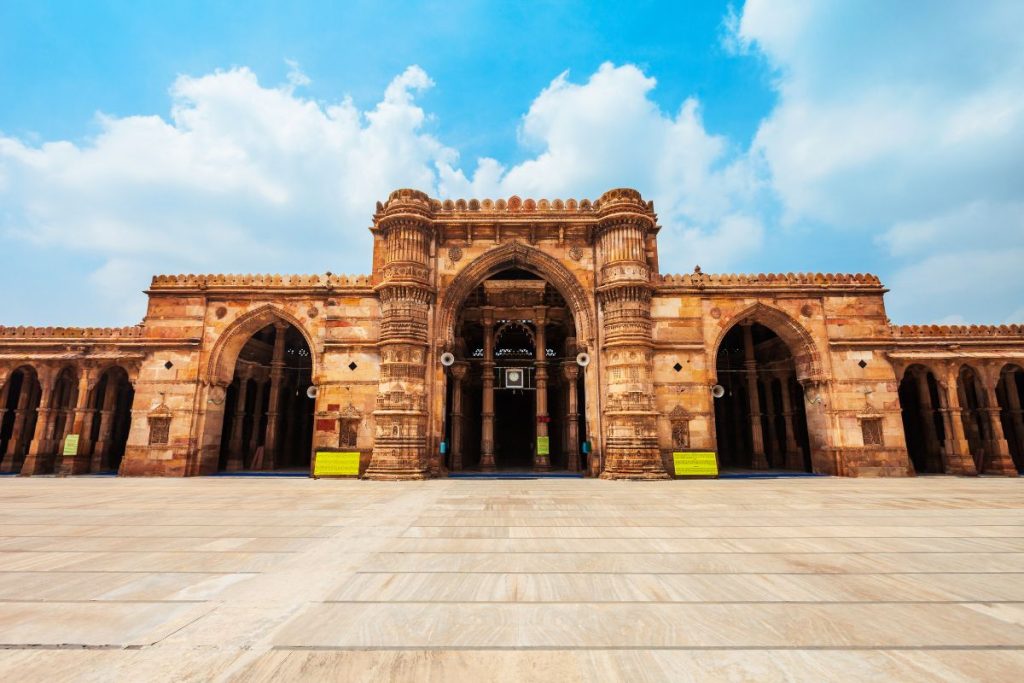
520,293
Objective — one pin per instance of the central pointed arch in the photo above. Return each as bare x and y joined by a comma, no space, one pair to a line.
517,255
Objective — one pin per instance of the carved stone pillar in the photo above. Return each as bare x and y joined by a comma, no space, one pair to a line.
758,459
931,436
773,437
624,292
79,462
36,457
19,436
236,447
571,372
108,403
270,441
257,421
794,459
487,395
958,451
541,463
998,460
458,371
404,232
291,429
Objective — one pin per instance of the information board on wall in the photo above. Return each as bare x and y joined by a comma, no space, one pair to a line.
336,464
71,445
695,464
543,445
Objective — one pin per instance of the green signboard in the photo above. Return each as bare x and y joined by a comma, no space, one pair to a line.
71,445
336,464
695,464
543,445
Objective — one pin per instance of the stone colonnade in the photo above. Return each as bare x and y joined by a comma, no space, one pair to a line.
769,430
972,415
41,406
566,378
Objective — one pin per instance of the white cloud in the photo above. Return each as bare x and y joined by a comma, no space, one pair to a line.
608,132
245,177
904,123
241,178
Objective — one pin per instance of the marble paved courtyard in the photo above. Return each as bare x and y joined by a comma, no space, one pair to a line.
269,579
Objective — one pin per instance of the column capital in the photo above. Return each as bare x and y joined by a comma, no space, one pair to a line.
459,369
570,370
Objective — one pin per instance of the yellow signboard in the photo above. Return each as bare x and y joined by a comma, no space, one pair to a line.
543,445
71,445
695,464
336,464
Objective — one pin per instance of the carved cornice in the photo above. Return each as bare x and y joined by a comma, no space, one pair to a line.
699,281
1015,332
259,281
85,333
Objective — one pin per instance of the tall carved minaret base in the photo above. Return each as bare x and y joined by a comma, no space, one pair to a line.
624,292
400,444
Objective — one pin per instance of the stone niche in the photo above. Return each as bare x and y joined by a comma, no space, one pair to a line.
338,428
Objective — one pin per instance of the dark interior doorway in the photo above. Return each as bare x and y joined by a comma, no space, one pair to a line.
514,428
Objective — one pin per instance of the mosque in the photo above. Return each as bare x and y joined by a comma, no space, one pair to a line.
513,335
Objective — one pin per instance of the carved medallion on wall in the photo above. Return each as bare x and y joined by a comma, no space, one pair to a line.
806,310
312,312
716,313
575,253
221,312
454,254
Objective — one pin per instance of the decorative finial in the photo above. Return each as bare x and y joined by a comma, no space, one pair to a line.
696,269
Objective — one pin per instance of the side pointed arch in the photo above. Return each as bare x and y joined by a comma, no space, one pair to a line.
221,366
517,255
806,356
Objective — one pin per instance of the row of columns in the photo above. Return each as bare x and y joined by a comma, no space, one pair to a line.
793,459
237,446
54,405
459,372
954,407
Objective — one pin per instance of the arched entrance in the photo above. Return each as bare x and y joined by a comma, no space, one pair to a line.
515,398
107,431
760,420
971,394
61,420
923,427
267,415
1010,392
20,405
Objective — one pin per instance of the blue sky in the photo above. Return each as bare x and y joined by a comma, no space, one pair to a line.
253,137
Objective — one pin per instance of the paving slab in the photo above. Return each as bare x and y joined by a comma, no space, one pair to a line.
270,579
